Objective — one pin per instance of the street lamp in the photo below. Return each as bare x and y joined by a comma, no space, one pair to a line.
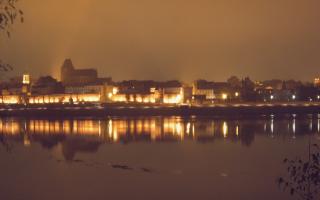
271,97
224,96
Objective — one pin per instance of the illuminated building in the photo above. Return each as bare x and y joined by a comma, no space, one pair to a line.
19,85
9,99
64,98
26,79
172,92
209,91
71,76
203,90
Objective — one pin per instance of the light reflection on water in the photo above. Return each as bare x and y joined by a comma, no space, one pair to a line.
158,129
205,153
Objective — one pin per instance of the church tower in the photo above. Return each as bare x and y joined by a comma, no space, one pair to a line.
66,70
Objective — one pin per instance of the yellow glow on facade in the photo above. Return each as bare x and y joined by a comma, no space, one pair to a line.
64,98
152,90
115,90
119,98
9,99
172,99
26,79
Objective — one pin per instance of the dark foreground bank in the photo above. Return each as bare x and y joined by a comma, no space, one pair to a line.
102,110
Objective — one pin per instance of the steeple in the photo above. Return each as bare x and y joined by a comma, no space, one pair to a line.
66,69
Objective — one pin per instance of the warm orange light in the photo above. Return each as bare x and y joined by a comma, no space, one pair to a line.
224,96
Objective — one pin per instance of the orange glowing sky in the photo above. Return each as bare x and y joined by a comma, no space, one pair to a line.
168,39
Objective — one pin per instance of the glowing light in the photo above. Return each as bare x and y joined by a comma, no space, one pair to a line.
115,135
224,96
139,99
271,97
294,126
178,128
237,94
119,98
225,129
193,130
26,79
110,128
293,97
188,128
153,90
237,130
115,90
26,141
172,99
10,99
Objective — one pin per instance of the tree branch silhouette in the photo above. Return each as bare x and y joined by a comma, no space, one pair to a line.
9,14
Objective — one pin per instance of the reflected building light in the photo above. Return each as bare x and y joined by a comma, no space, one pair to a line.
115,135
188,128
294,128
25,125
66,126
272,127
178,129
265,127
99,128
193,130
110,128
26,141
225,129
213,128
237,130
310,125
318,125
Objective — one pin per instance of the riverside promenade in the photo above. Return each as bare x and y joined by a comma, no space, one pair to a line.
127,109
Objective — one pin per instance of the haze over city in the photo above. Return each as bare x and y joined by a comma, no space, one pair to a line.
162,40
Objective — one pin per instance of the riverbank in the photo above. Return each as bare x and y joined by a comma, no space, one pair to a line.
121,109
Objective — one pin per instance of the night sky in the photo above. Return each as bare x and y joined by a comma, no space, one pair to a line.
168,39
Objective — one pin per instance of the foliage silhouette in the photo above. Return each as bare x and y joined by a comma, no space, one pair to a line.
9,13
303,178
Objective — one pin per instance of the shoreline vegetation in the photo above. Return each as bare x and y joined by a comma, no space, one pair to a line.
230,110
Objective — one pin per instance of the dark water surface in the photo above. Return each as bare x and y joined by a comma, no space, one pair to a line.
150,157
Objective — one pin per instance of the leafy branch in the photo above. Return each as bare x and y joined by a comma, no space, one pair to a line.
303,176
9,13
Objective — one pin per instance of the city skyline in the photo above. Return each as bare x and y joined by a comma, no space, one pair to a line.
209,40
